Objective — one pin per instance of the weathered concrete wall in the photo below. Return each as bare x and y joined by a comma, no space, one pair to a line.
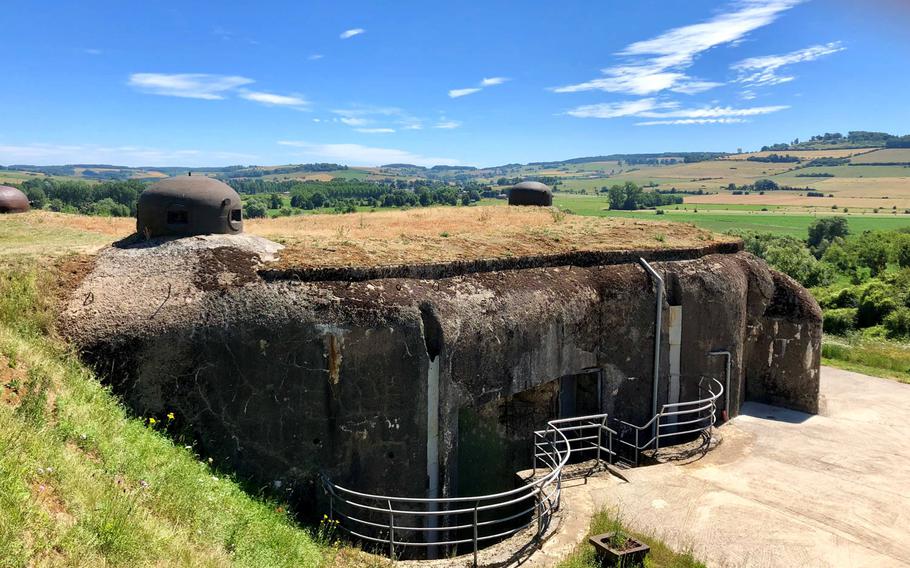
282,379
784,349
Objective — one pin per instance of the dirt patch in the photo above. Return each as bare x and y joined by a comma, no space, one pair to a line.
225,267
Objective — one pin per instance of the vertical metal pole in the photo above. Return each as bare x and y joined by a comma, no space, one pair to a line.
610,437
599,436
331,506
476,504
658,327
391,532
636,447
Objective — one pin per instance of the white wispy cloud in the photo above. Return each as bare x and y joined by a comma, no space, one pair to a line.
447,124
455,93
93,51
660,64
378,119
762,71
188,85
347,34
275,100
315,57
123,155
618,109
669,112
354,121
360,155
489,82
714,112
485,82
692,121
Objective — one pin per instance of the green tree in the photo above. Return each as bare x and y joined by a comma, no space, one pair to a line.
902,251
275,201
823,231
617,197
255,209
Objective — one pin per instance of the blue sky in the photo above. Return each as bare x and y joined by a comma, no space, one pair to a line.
474,83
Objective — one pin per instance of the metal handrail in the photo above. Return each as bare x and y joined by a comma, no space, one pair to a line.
704,411
552,448
543,494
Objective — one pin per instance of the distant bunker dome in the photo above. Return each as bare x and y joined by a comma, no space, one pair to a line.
12,200
188,205
530,193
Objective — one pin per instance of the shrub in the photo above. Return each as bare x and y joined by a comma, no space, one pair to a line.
843,298
840,320
902,251
876,302
898,323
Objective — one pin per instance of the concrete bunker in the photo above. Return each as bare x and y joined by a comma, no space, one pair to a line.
12,200
343,389
531,193
189,205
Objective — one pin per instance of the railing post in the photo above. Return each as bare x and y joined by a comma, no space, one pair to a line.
391,532
476,504
636,447
600,430
331,506
534,455
610,438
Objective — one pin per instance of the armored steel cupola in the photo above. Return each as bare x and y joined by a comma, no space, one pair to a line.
530,193
189,205
12,200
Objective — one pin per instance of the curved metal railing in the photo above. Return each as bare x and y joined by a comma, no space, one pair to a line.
426,522
448,523
694,417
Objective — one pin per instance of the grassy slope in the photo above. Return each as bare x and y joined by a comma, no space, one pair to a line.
661,556
82,483
887,359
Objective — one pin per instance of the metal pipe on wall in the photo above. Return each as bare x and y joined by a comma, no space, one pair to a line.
658,326
729,357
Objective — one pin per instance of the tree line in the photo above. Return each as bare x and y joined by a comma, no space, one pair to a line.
861,281
108,199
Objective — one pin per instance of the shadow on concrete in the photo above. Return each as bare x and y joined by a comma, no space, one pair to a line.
777,413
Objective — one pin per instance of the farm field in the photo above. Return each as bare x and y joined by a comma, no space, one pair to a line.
803,154
721,217
884,156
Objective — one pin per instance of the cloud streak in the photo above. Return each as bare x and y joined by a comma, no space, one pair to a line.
660,63
763,71
669,112
187,85
360,155
272,99
348,34
125,155
486,82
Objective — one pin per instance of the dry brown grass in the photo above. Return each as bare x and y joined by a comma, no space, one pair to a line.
446,234
429,235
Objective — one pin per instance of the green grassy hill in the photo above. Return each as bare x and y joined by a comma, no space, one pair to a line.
82,483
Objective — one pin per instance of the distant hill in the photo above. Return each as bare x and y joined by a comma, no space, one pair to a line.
853,139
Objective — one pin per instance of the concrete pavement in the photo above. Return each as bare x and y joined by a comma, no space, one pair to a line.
782,489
